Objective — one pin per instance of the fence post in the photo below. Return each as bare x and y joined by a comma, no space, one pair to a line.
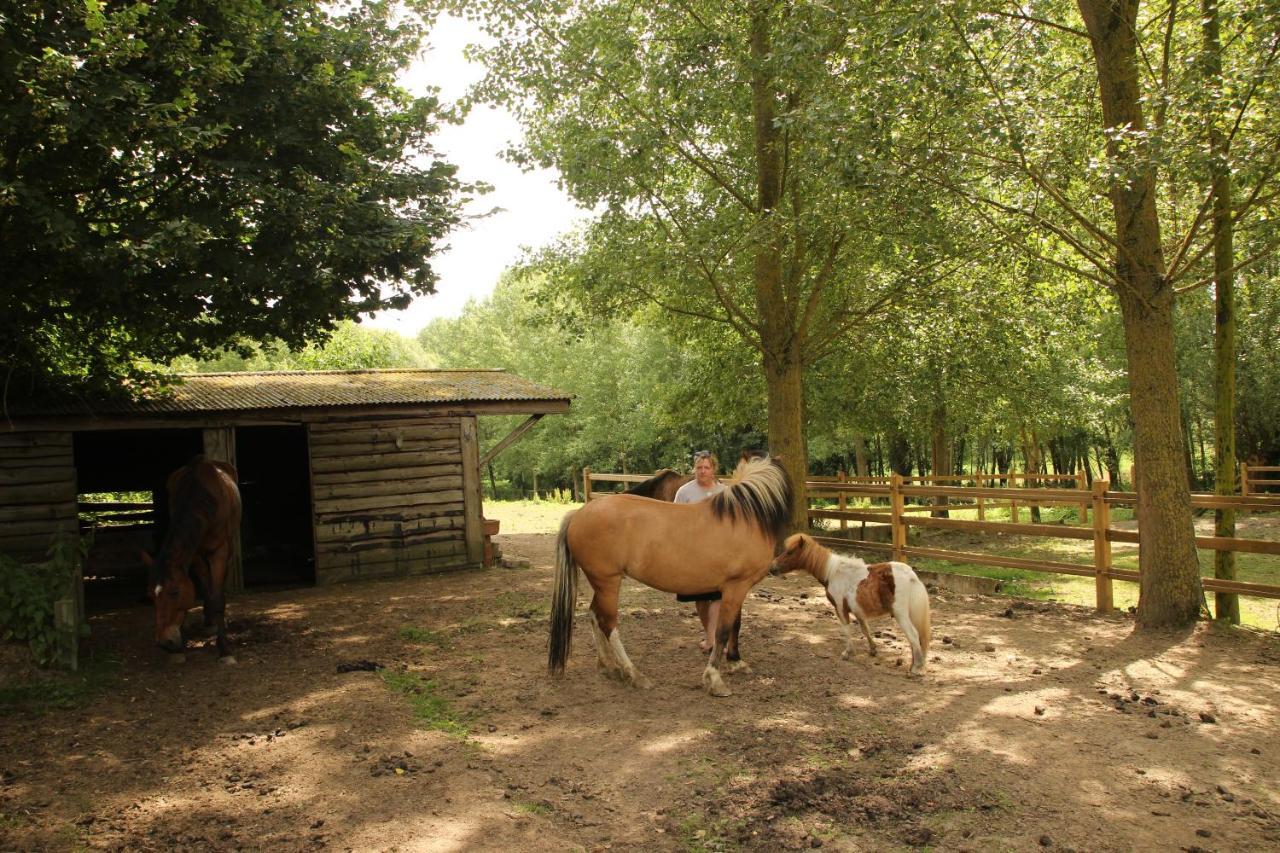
1102,546
1013,502
1244,479
897,527
977,484
586,485
1082,484
841,477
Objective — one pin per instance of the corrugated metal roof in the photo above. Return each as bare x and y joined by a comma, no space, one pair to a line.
230,392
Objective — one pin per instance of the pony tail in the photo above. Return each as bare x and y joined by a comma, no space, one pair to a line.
564,599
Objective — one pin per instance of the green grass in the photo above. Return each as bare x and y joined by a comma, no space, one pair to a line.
533,808
412,634
429,708
53,690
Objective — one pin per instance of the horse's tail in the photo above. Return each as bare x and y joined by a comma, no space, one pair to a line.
918,611
564,600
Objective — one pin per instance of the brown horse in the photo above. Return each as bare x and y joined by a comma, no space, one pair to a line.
725,542
662,486
204,517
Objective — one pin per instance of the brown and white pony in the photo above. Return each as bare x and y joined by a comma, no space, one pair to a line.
204,517
726,542
864,592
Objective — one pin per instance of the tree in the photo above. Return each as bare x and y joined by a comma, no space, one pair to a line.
723,144
182,175
1095,167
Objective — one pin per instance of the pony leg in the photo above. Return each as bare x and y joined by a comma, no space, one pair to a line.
215,603
866,632
730,609
902,616
604,606
731,653
846,626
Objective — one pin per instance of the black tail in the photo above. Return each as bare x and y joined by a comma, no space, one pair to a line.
564,600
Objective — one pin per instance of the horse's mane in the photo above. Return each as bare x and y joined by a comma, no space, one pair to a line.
761,496
649,486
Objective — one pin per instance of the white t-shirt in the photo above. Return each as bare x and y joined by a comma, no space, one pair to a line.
691,492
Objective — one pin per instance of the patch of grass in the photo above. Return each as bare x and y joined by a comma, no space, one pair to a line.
541,809
429,707
46,691
412,634
697,836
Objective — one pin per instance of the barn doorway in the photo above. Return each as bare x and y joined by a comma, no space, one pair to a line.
275,486
120,477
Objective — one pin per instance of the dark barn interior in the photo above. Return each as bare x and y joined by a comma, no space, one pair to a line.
276,539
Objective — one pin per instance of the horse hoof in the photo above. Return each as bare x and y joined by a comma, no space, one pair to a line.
227,659
719,690
738,666
177,657
641,682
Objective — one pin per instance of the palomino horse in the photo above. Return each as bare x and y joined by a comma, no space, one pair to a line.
725,542
204,517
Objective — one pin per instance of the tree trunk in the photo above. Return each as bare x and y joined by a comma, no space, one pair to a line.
940,448
860,455
1169,586
782,359
1226,604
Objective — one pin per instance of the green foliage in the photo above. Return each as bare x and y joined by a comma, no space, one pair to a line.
54,690
351,346
186,175
28,593
428,707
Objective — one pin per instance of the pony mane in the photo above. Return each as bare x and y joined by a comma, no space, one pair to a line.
761,497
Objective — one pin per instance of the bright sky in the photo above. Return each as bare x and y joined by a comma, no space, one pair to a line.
534,209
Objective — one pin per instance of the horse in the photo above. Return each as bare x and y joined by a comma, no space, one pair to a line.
865,592
662,486
725,542
204,518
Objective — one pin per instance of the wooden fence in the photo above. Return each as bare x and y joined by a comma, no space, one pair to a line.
1099,499
911,501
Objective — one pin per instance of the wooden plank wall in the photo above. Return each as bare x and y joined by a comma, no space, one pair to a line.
388,498
37,491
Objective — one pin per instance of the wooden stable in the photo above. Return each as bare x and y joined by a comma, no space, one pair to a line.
378,469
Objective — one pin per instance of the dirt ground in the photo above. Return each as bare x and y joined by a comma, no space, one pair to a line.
1037,726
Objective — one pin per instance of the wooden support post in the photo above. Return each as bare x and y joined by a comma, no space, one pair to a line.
1013,503
220,446
1102,546
1082,484
1244,479
472,496
67,626
898,527
841,477
586,485
977,483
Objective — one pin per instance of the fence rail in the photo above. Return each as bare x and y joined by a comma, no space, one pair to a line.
1094,505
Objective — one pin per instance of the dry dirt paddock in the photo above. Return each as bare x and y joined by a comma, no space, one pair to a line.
1036,727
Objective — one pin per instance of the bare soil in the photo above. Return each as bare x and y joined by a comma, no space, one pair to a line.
1037,726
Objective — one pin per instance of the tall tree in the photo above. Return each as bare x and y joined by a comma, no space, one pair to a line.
181,175
725,146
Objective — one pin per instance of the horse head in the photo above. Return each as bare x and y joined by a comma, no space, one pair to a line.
170,588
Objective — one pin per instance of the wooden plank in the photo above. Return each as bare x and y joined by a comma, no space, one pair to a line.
37,511
386,474
34,439
1244,546
388,530
472,498
384,430
325,451
38,493
219,445
34,544
403,557
395,514
405,543
408,488
993,560
31,453
849,544
36,474
346,572
1059,531
43,527
511,438
380,461
1261,590
330,510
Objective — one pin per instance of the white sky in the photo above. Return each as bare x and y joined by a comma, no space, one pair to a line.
534,209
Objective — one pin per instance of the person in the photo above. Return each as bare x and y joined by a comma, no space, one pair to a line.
704,484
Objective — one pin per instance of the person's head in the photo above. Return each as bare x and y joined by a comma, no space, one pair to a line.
705,466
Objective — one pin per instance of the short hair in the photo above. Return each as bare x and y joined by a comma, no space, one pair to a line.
706,454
